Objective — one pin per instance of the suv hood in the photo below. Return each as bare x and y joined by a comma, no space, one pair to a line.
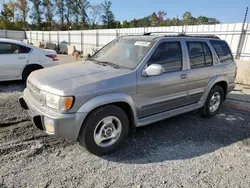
60,78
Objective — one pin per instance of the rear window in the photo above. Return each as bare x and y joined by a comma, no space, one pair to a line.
223,51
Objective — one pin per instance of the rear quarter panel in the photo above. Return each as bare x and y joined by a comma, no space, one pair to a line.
38,56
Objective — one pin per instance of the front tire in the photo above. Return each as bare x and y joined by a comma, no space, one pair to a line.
213,102
104,130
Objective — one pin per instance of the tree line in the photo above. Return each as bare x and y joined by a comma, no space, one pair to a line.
81,14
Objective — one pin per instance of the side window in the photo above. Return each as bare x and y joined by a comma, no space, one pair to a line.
8,48
199,55
5,48
169,55
222,50
208,54
18,49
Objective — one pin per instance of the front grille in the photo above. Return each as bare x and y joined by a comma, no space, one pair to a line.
35,92
33,88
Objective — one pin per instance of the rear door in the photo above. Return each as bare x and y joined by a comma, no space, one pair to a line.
201,68
13,59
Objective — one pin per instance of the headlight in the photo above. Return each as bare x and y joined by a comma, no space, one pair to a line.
59,103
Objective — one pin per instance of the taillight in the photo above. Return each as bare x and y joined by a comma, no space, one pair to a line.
53,57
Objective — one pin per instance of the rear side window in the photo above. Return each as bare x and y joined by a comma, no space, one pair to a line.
223,51
8,48
169,55
5,48
199,54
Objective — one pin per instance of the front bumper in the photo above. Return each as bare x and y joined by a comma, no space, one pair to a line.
231,87
65,125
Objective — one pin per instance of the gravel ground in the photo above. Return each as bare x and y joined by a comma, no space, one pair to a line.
185,151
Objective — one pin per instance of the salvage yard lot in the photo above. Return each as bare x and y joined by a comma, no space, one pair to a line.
185,151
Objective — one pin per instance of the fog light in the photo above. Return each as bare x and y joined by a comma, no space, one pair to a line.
49,125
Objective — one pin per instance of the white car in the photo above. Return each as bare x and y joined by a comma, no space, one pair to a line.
18,59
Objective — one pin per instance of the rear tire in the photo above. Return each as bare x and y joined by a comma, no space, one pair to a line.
213,103
104,123
28,70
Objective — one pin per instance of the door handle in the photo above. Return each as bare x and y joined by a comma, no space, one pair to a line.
183,76
22,58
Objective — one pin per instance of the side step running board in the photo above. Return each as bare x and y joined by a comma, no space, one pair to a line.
164,115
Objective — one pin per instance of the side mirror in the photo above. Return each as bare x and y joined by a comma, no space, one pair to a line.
89,56
153,70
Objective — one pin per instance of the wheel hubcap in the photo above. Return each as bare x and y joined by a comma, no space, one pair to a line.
107,131
215,102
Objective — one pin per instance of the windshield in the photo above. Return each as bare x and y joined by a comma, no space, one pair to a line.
124,52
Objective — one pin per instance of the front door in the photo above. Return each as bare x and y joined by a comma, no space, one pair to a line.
13,59
168,91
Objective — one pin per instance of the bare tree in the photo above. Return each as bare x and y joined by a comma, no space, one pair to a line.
49,8
75,13
61,11
108,17
94,14
36,14
69,11
83,6
161,15
23,9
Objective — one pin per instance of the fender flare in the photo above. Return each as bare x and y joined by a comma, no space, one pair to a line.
108,99
211,84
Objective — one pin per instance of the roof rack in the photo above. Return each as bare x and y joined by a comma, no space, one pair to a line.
179,34
200,36
159,32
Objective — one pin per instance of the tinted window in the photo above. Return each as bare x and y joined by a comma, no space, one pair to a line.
7,48
208,55
199,54
222,50
169,55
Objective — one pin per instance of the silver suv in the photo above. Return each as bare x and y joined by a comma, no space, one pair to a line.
133,81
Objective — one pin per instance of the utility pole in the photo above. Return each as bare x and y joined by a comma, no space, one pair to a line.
240,44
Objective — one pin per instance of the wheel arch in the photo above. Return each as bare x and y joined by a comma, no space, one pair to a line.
30,67
122,100
224,86
220,80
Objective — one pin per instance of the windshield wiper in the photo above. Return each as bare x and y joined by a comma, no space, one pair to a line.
111,64
104,63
